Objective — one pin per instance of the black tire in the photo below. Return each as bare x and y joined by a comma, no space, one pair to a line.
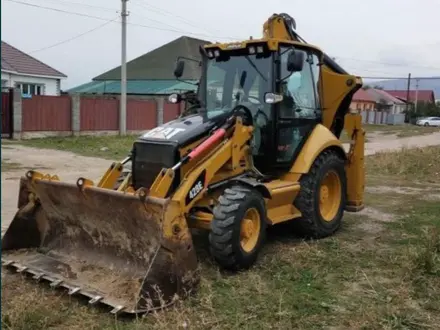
312,224
426,124
224,238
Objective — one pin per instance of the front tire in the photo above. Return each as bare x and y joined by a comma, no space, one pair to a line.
238,228
322,198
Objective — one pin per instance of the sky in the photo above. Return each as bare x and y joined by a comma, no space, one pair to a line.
385,38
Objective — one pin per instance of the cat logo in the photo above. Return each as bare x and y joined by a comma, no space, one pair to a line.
163,133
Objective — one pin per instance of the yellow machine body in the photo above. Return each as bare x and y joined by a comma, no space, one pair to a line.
131,247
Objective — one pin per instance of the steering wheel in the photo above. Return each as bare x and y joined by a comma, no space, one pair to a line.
247,118
259,111
188,111
250,120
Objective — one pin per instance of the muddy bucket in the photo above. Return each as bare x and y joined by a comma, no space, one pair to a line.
106,245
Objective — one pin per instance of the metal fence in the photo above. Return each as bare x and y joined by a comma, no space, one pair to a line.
382,117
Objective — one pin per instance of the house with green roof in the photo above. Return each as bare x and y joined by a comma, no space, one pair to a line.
151,73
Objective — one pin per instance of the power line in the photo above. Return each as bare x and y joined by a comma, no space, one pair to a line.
58,10
105,19
74,37
388,63
176,30
395,78
66,2
154,20
164,12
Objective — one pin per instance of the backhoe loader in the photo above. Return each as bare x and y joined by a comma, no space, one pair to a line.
260,146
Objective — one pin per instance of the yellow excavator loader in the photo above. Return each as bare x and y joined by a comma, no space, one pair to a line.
260,145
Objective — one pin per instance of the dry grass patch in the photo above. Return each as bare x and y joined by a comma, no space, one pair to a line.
380,271
400,131
358,279
411,164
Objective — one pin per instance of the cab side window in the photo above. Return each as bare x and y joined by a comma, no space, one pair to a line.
299,111
300,88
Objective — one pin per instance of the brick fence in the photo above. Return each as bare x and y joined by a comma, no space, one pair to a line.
74,115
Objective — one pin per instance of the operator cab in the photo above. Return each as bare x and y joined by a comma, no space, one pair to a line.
279,88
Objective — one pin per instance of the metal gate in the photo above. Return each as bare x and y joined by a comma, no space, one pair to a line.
6,111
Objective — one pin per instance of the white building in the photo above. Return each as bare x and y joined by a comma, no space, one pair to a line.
32,76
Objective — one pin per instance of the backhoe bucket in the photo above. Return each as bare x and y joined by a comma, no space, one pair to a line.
106,245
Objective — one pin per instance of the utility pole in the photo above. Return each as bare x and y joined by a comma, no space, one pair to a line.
407,93
417,95
407,115
123,100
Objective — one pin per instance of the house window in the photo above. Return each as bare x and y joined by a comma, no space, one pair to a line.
31,89
4,83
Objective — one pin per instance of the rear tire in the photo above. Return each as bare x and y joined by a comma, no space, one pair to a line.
238,228
322,198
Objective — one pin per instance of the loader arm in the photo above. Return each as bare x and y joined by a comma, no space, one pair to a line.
228,151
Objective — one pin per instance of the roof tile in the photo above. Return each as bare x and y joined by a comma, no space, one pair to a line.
379,95
158,87
422,95
159,63
15,60
363,95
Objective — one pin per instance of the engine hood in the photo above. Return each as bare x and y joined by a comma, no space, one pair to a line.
182,131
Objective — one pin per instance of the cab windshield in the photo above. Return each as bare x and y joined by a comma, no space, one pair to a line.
240,79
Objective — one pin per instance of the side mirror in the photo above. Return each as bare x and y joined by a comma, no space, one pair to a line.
174,98
295,61
272,98
178,70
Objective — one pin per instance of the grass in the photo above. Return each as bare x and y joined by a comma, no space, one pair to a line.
380,271
401,130
115,147
418,163
109,147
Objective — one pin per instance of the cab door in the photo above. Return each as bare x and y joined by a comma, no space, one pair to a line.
299,111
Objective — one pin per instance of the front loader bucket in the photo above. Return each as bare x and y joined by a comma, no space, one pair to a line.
106,245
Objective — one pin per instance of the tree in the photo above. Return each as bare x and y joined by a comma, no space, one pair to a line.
424,109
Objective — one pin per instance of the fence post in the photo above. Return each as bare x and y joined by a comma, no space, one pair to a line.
76,121
17,115
160,101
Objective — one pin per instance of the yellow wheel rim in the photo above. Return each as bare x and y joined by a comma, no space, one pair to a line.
250,229
330,196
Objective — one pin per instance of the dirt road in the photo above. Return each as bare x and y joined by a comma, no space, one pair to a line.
69,167
381,142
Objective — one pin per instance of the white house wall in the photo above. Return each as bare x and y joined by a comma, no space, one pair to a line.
51,85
